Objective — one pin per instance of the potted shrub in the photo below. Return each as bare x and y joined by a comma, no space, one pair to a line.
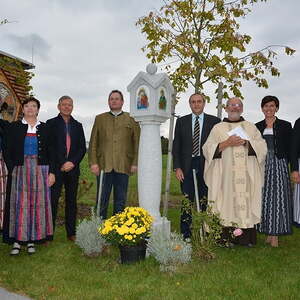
128,230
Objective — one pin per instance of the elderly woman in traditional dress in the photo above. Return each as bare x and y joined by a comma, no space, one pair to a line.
276,203
295,169
30,160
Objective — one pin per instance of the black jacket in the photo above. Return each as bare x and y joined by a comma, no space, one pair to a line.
4,125
14,149
183,140
78,147
295,146
282,131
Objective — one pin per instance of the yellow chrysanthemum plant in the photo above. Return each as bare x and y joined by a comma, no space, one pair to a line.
128,228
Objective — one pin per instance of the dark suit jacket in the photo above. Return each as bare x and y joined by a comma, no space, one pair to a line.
78,147
295,146
183,140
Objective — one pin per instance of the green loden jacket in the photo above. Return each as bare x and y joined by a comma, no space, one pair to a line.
114,142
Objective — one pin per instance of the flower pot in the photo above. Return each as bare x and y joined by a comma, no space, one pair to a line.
132,254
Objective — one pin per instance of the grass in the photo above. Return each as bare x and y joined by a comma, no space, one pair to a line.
89,198
60,271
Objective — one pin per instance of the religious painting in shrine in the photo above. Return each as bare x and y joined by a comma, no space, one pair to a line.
142,98
162,103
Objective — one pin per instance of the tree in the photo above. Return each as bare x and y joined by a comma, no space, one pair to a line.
4,21
198,42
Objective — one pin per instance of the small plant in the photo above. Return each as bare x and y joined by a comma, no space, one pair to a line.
128,228
206,230
87,236
169,251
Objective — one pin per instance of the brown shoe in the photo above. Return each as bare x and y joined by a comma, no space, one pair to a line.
72,238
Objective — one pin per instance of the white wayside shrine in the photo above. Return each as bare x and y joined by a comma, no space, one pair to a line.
150,105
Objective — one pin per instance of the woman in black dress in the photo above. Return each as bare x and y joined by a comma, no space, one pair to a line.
276,218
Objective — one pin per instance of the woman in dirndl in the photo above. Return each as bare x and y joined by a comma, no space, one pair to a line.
30,162
276,217
295,169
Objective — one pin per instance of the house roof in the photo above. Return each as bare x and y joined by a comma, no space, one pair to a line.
18,88
26,65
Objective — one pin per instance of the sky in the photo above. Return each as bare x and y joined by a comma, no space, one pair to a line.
85,49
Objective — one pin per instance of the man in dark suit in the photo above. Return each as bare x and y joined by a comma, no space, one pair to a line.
70,149
191,132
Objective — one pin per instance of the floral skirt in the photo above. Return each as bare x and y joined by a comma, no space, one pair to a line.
296,206
30,218
3,181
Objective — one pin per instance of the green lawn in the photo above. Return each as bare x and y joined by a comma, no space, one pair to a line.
60,271
89,198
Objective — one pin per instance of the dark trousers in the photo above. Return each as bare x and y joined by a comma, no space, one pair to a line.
188,189
119,182
70,181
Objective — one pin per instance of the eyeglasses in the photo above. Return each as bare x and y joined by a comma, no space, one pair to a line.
234,105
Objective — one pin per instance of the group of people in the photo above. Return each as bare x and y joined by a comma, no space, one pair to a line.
242,170
37,159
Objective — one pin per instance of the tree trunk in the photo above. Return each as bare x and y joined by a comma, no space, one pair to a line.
220,98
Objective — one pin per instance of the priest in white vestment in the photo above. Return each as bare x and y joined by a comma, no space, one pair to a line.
235,153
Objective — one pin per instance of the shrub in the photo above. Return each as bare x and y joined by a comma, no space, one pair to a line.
87,236
169,251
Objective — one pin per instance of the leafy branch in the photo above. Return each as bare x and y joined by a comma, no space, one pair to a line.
199,41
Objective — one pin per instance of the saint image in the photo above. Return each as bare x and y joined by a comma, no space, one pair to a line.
142,99
162,100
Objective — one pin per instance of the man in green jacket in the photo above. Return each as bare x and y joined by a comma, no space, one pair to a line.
113,148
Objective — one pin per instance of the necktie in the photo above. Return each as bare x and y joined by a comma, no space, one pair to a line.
196,137
68,139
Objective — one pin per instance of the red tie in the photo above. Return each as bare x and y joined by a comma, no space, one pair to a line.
68,139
